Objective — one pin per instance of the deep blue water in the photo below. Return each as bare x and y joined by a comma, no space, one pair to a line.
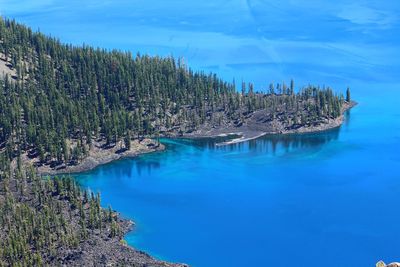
328,198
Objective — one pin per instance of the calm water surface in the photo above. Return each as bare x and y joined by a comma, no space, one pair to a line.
328,198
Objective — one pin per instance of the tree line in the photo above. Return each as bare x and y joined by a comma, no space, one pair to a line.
63,92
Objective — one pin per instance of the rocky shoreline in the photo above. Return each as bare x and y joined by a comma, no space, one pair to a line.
255,127
252,129
98,155
100,251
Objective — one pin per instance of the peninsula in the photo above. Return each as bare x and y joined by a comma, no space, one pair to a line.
68,109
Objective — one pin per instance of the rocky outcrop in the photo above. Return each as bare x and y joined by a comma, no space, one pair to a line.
382,264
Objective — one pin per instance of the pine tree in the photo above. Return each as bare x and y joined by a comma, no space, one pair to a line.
127,141
348,97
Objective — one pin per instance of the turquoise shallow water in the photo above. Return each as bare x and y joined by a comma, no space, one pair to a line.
304,200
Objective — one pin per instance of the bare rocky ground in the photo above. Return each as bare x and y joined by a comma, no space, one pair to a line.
98,154
259,123
100,250
6,67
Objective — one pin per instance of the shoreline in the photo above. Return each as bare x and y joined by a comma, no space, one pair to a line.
103,156
100,156
246,133
127,225
115,249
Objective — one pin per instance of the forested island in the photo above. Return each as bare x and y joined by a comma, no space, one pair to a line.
68,109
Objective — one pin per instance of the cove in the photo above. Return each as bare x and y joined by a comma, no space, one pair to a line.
327,197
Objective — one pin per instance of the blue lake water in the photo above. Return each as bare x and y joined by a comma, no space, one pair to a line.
328,198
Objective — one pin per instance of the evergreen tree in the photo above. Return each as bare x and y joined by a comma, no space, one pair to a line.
348,97
127,142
